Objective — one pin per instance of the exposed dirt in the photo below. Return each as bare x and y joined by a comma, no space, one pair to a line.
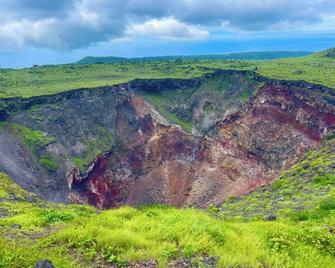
155,163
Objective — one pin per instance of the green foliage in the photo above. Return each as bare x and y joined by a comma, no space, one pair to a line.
327,53
152,233
34,139
107,254
327,179
76,236
48,163
9,189
53,216
313,68
302,187
22,254
323,210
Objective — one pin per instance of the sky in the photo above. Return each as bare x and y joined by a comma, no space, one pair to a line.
63,31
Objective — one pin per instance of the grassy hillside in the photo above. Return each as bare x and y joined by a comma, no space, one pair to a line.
305,191
80,236
53,79
317,68
327,53
45,80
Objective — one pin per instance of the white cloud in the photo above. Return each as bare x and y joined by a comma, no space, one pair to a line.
167,28
15,34
70,24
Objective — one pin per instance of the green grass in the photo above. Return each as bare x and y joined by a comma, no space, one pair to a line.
45,80
34,139
315,68
48,163
302,187
78,236
9,189
37,141
256,55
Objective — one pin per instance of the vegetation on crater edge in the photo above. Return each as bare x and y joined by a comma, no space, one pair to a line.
43,80
34,139
303,187
77,236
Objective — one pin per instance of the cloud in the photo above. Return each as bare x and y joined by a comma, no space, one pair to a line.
168,28
254,15
35,9
71,24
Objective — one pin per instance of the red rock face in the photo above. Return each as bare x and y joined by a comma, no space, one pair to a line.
153,162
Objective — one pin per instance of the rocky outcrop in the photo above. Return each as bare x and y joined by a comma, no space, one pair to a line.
202,102
76,129
44,264
156,163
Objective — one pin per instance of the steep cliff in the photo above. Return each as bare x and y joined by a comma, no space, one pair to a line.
154,163
44,137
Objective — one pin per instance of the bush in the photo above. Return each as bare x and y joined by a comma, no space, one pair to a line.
327,179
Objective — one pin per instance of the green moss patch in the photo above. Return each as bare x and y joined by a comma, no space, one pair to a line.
48,163
34,139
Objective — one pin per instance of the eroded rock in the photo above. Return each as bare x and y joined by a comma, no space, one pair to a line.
157,163
44,264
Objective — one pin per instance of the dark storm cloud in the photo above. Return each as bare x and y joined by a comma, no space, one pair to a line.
69,24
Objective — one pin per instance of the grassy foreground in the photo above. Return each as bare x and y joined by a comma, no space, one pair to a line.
42,80
81,236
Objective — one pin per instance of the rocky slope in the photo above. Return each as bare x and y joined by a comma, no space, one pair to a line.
43,138
198,107
245,130
155,163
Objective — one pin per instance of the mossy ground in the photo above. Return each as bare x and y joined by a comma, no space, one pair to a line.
34,139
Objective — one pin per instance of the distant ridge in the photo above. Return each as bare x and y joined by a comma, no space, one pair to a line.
256,55
327,53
